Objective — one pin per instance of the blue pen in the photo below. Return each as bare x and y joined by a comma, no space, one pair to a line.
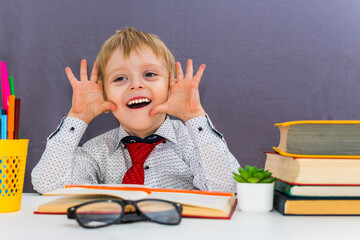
3,125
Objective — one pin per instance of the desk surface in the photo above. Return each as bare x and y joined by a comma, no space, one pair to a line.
26,225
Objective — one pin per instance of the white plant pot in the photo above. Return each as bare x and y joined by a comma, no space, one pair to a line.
255,197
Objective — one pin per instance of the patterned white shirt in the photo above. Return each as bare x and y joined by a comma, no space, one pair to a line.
193,156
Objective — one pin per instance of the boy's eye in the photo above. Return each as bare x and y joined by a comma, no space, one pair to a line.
150,74
119,79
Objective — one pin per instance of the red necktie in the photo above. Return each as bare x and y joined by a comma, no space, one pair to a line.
138,153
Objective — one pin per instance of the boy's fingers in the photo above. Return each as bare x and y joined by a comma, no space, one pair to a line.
70,76
83,70
199,73
179,71
94,73
189,69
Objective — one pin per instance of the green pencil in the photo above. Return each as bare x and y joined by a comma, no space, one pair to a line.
11,83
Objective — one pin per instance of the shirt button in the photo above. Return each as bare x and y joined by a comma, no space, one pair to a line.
164,141
200,129
147,167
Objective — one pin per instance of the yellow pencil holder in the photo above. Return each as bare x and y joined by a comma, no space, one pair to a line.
12,172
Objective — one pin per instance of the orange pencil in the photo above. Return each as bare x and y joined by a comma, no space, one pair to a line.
11,117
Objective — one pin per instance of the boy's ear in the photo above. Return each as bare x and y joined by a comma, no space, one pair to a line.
169,79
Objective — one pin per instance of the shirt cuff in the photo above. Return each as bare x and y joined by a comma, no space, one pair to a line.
201,127
69,131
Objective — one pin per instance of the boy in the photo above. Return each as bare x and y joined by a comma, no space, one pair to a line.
134,78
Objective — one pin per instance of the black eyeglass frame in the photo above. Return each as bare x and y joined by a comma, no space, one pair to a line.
124,217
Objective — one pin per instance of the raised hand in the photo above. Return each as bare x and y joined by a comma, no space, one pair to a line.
88,99
184,99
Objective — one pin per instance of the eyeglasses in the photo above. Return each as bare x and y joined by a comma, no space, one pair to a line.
103,213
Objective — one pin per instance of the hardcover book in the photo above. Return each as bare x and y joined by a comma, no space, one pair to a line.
317,190
313,171
327,139
316,206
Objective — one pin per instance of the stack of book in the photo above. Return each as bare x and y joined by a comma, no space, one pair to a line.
317,166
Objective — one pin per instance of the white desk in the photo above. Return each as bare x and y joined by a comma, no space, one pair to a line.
26,225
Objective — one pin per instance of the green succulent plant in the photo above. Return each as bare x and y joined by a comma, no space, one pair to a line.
253,175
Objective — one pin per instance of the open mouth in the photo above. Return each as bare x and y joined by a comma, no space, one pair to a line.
138,103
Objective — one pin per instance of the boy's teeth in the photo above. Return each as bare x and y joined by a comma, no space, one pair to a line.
141,100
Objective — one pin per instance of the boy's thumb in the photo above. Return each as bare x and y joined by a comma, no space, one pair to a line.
158,109
109,106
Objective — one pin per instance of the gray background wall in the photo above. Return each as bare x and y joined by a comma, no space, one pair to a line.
267,61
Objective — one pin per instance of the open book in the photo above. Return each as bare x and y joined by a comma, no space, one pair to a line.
196,204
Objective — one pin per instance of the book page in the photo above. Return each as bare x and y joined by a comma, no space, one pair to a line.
130,195
208,201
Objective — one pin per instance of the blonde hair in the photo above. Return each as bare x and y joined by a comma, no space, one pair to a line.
130,39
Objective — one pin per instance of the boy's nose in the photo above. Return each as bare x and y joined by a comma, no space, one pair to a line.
136,83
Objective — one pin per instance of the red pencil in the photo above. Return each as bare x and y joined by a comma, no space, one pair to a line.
17,118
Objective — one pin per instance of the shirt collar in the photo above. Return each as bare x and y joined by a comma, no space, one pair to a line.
166,130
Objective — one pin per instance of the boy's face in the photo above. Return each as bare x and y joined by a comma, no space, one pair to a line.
136,85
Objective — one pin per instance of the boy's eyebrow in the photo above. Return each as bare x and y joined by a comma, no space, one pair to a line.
154,65
114,70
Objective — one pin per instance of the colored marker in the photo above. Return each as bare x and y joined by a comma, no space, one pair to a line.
5,85
3,124
11,117
17,118
11,83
